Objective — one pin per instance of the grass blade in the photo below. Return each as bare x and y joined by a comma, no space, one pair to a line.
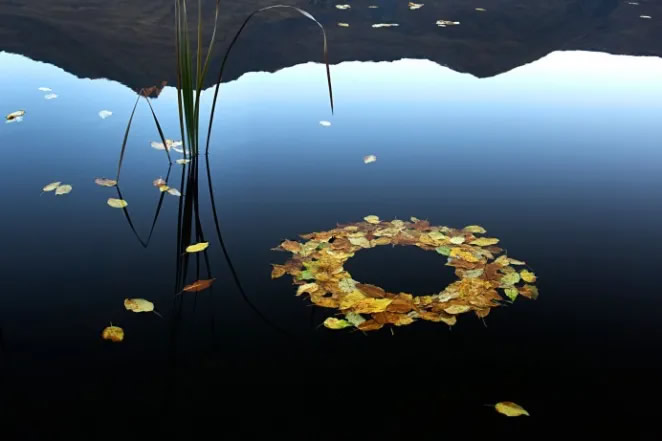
236,37
158,127
126,137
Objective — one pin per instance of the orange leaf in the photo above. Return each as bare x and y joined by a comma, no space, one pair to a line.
198,285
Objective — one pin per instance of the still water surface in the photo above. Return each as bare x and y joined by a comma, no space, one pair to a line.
559,158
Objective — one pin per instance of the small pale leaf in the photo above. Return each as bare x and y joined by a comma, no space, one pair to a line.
510,409
117,203
113,333
63,189
196,248
334,323
138,305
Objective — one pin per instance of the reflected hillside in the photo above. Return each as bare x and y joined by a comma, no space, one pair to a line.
132,42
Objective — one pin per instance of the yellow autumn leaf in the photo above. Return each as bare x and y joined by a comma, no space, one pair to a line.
63,189
372,219
459,253
334,323
196,248
138,305
485,241
117,203
113,333
510,409
457,309
52,186
163,188
307,287
105,182
371,306
475,229
457,240
528,276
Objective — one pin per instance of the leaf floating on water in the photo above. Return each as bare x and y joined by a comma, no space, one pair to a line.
113,333
15,115
196,248
481,9
385,25
343,7
105,182
52,186
45,89
457,309
325,123
485,241
343,25
371,219
511,293
414,6
105,114
50,96
117,203
174,192
63,189
368,159
446,23
510,279
457,240
170,144
528,276
198,285
163,188
334,323
278,271
476,229
138,305
510,409
183,161
645,16
158,182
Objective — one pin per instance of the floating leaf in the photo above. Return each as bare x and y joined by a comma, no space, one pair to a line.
457,309
198,285
481,9
343,25
529,291
163,188
113,333
105,114
158,182
14,115
52,186
50,96
45,89
354,318
63,189
457,240
371,219
343,7
414,6
307,288
484,241
516,262
278,271
105,182
334,323
511,293
444,250
446,23
183,161
476,229
368,159
510,279
117,203
510,409
385,25
645,16
528,276
373,7
325,123
196,248
174,192
138,305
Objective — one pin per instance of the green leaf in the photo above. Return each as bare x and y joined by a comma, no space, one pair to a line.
444,250
511,293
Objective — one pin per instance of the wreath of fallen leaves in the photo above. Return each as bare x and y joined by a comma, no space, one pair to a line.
482,268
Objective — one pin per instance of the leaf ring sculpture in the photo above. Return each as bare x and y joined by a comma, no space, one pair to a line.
482,268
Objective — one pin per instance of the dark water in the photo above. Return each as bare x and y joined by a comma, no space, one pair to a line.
559,158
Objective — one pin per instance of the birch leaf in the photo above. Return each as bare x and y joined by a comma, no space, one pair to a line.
196,248
510,409
113,333
105,182
63,189
334,323
371,219
528,276
52,186
117,203
138,305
